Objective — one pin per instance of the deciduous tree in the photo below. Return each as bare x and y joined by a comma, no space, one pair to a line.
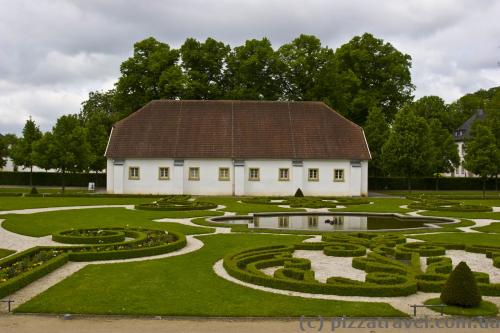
407,151
444,150
22,152
376,131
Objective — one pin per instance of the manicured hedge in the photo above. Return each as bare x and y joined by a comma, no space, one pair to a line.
176,203
107,236
52,179
22,280
142,246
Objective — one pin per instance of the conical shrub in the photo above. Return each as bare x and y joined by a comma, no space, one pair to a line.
461,288
298,193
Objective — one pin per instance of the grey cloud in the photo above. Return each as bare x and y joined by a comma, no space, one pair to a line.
53,52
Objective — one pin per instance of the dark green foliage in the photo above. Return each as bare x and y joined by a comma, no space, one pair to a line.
429,183
483,156
298,193
436,204
33,191
22,153
461,288
52,179
376,130
407,151
89,236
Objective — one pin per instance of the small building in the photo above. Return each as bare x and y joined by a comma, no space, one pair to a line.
460,135
237,148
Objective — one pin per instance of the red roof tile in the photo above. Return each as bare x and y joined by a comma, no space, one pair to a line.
237,129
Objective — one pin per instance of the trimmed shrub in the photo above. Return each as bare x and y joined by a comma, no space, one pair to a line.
298,193
461,288
344,250
89,236
176,203
33,190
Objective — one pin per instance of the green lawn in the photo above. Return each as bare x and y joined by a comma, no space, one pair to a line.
462,238
14,203
379,205
232,205
27,189
43,224
464,215
456,193
5,253
493,228
186,286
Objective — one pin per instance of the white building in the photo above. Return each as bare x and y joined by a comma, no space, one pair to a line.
460,135
237,148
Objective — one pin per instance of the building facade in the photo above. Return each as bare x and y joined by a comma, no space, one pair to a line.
237,148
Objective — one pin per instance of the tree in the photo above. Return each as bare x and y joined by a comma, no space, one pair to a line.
304,60
461,288
444,150
482,155
376,131
147,75
22,152
101,102
67,148
97,129
3,152
42,151
493,122
434,107
407,151
383,74
254,72
203,65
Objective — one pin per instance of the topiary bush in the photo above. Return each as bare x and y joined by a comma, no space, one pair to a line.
298,193
33,190
176,203
461,288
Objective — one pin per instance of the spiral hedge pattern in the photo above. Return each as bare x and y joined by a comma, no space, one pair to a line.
392,266
307,202
21,269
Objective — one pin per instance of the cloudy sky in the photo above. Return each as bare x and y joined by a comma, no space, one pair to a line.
53,52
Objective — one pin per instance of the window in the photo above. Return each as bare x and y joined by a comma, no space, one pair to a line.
312,221
164,173
338,175
254,174
313,175
283,221
284,175
194,173
223,173
133,173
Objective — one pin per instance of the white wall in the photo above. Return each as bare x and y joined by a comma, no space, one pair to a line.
209,183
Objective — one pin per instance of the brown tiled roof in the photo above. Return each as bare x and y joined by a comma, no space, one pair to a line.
237,129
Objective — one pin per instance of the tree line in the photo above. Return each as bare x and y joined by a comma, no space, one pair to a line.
366,79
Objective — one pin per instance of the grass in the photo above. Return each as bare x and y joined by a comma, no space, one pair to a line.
462,238
14,203
4,253
186,286
27,189
464,215
485,309
379,205
43,224
492,228
232,205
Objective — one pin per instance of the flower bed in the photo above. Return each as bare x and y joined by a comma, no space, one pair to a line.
25,267
437,204
306,202
89,236
176,203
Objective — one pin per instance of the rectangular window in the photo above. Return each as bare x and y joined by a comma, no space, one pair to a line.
283,221
338,175
224,174
312,221
133,173
194,173
163,173
313,175
254,174
284,175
